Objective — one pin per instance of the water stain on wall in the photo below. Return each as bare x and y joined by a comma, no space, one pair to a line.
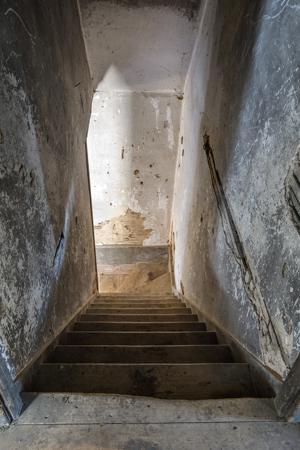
128,228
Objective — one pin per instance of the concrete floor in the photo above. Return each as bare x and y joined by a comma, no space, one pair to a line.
60,421
133,269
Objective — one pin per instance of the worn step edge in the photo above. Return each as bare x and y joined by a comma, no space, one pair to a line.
143,337
140,354
181,381
139,317
136,304
139,326
78,409
122,311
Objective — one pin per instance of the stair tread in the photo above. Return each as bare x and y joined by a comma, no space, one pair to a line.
150,345
104,364
139,326
142,337
138,311
179,380
140,353
139,317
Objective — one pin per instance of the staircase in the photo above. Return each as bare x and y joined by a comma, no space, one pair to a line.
142,345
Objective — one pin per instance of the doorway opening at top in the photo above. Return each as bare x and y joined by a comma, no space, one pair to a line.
139,57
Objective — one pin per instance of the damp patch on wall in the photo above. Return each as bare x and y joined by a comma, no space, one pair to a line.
128,228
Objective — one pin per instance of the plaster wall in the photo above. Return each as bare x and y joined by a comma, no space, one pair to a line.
236,244
132,144
139,54
47,264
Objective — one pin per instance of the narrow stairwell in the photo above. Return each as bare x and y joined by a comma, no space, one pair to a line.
143,345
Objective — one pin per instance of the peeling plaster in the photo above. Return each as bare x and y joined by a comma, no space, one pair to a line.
239,66
43,178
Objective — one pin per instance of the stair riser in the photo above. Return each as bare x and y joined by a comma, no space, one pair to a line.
164,381
137,296
137,305
139,318
140,326
156,354
137,300
140,338
138,311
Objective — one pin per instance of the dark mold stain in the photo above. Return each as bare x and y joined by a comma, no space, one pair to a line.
182,287
140,444
188,8
144,382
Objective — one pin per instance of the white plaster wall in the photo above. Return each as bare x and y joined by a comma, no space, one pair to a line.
132,144
137,48
139,55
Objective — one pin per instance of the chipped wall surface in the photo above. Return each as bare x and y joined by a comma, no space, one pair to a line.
236,247
139,54
139,45
132,146
47,265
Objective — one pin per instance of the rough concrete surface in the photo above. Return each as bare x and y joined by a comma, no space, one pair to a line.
201,436
47,267
56,421
133,269
63,409
139,45
236,246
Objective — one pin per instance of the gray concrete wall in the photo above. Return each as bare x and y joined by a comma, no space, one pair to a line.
47,264
139,54
236,242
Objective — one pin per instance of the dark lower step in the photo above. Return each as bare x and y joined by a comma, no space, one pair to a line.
109,304
136,297
139,326
183,310
139,317
140,338
177,381
141,354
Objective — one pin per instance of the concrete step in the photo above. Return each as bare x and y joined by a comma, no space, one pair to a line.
141,354
76,409
182,310
136,299
174,381
139,317
109,304
137,295
140,338
139,326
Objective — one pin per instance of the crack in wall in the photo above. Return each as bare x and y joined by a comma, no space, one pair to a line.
267,332
292,190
